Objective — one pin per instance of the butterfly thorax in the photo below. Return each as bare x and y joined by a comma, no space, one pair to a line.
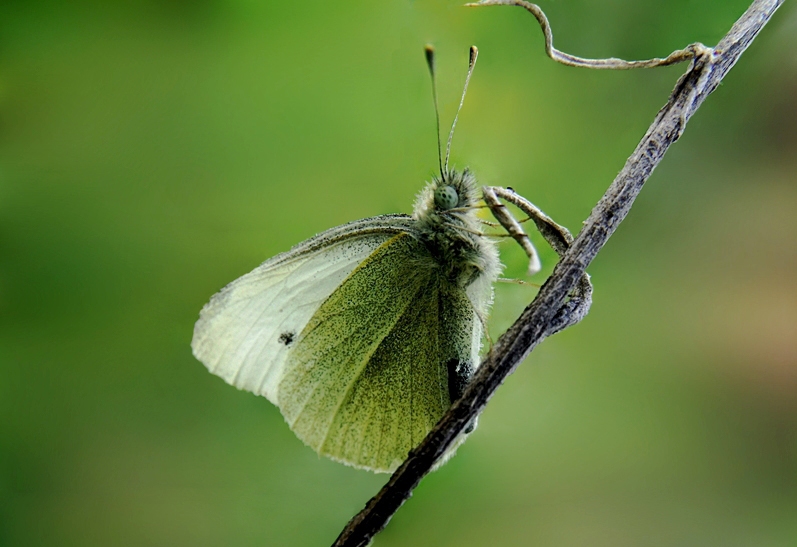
445,213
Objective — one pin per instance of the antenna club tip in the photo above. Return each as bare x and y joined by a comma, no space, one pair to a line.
474,53
428,50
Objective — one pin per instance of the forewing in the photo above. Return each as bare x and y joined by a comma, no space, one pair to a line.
246,330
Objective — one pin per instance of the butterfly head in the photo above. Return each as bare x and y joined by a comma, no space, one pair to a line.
448,200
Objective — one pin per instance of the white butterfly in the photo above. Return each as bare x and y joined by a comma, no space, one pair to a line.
364,334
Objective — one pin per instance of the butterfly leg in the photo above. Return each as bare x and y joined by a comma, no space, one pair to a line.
517,282
511,225
557,236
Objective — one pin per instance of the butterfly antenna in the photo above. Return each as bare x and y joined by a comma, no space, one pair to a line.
429,50
474,53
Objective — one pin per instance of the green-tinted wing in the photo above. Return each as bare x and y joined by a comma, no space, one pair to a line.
367,378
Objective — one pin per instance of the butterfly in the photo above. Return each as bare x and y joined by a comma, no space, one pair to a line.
363,335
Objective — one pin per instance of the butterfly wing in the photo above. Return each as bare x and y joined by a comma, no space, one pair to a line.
247,329
369,374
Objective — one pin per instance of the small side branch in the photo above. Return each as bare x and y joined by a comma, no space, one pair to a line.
549,311
679,56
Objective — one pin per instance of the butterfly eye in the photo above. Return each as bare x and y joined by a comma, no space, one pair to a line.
446,197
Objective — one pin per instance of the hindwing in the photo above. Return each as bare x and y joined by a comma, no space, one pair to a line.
368,376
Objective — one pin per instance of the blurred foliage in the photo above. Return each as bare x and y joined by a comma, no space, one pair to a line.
151,152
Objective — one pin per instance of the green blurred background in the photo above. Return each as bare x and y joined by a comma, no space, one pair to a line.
151,152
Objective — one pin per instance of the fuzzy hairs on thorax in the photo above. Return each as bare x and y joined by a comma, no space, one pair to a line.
445,215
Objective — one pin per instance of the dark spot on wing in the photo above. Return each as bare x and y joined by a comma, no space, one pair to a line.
459,375
286,338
